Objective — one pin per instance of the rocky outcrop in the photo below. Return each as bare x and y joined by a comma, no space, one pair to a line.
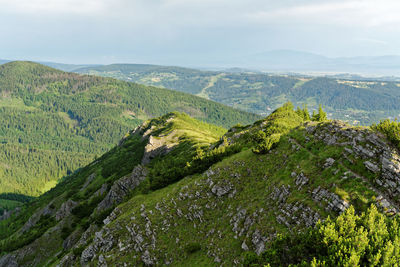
156,147
9,260
103,242
65,209
280,194
329,162
49,210
293,214
122,187
377,154
71,240
8,213
333,201
300,180
89,179
372,167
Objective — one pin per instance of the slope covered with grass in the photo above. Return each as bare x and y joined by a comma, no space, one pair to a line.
173,192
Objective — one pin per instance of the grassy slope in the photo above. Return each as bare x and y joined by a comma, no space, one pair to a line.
87,115
113,165
254,178
188,223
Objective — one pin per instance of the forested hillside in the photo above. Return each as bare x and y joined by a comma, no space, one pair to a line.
363,101
292,189
53,122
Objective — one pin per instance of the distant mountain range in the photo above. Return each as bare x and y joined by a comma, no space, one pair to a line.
289,61
60,66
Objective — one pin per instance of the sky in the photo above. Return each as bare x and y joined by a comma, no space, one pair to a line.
193,32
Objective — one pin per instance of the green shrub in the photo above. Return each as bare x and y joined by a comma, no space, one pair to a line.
391,129
192,247
66,231
101,216
320,116
251,259
368,239
78,251
267,144
45,222
86,208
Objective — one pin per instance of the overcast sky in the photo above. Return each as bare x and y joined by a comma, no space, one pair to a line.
193,32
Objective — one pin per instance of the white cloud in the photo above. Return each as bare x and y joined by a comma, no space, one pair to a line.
53,7
372,41
366,13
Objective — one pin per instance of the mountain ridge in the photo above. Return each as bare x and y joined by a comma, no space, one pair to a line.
235,195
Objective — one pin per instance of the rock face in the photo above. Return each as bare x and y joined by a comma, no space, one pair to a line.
122,187
155,147
48,210
65,209
158,145
71,240
9,261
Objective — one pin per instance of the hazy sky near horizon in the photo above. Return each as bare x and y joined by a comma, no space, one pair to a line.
193,32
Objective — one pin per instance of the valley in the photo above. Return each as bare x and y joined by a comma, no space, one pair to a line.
54,122
359,102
